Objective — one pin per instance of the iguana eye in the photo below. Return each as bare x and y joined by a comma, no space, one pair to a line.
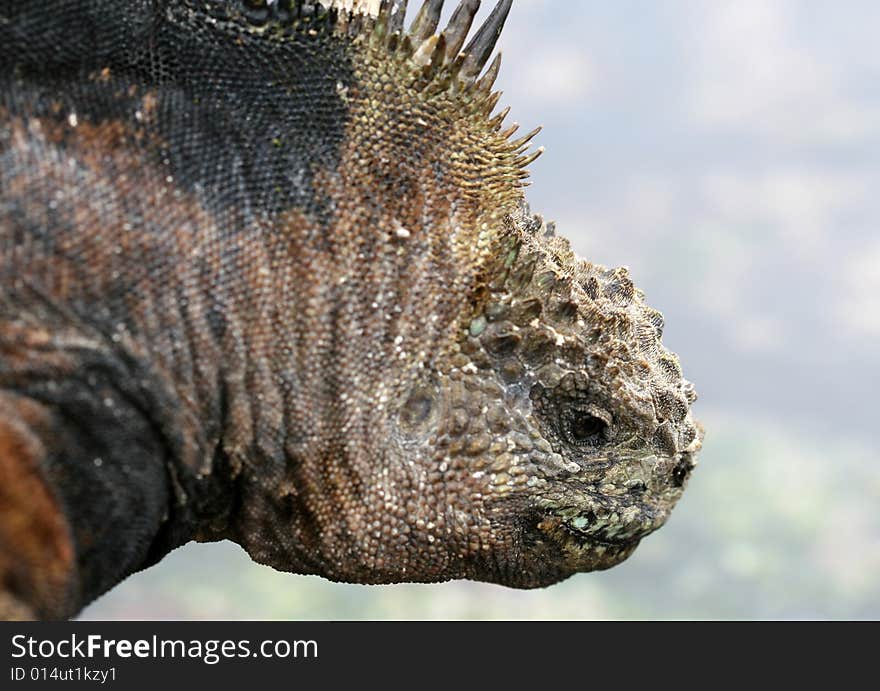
581,427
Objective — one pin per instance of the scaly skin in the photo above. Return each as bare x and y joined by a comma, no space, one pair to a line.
267,275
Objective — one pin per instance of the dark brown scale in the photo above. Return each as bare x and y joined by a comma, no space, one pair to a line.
525,311
565,311
502,343
537,347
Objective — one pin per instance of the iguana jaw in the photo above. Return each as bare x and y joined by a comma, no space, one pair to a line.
602,526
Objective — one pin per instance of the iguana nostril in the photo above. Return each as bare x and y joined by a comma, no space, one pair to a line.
682,470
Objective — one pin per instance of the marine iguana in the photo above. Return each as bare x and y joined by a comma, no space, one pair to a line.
267,275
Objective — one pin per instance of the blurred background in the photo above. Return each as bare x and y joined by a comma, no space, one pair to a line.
728,152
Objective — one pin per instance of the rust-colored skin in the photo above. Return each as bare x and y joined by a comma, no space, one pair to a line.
37,565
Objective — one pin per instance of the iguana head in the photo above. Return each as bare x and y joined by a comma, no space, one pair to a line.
478,402
560,412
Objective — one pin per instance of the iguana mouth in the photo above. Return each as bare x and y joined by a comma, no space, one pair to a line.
644,488
588,542
607,535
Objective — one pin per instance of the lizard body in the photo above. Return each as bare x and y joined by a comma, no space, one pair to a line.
267,274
